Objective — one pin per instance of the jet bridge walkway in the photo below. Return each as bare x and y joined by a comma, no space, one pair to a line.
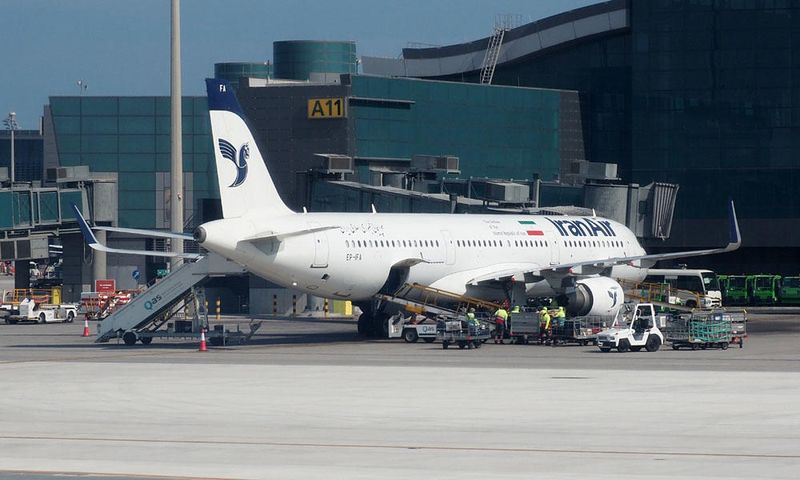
171,297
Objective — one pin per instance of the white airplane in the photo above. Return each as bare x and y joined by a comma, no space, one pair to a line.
356,256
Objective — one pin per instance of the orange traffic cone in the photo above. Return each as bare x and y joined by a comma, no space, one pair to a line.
86,332
203,347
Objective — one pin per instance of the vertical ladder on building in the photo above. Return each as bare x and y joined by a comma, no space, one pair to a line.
492,54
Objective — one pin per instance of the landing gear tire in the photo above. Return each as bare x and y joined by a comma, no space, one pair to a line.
410,335
129,338
363,324
653,344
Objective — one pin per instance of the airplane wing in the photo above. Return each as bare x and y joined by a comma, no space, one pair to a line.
95,244
504,272
734,242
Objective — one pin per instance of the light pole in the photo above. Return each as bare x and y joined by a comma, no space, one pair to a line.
82,86
11,124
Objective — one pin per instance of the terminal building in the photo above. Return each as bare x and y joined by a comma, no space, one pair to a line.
627,107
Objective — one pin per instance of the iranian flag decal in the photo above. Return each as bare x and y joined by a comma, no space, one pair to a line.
528,224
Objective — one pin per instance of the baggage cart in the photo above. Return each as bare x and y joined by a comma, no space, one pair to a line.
701,331
523,327
578,330
459,332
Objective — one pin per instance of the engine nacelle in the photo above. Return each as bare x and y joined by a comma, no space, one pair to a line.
596,296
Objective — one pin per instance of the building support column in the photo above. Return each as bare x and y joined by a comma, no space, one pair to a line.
99,263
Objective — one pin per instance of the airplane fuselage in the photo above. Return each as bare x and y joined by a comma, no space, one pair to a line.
353,258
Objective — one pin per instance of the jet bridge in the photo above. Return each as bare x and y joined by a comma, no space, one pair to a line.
151,309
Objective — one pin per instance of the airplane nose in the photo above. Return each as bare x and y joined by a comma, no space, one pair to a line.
200,234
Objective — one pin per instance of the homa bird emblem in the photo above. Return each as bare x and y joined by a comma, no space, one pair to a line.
613,295
240,161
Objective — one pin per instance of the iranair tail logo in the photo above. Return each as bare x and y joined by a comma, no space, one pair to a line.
239,161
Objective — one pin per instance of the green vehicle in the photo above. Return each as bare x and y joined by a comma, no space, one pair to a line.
764,289
790,291
736,290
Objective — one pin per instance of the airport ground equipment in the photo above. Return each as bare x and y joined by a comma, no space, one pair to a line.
429,301
30,311
579,330
736,290
176,302
12,298
523,327
789,293
717,329
662,295
99,305
453,331
635,328
764,289
411,330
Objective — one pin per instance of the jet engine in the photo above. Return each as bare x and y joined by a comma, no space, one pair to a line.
595,296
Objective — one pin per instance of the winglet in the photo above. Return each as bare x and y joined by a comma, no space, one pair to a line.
734,236
88,235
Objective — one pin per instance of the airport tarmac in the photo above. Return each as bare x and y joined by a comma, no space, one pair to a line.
307,398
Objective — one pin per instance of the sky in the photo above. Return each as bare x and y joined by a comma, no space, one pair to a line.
121,47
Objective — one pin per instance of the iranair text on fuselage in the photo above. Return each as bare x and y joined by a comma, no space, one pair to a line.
583,227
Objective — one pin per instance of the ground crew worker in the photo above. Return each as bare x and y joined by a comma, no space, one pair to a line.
515,309
544,324
500,319
561,316
472,321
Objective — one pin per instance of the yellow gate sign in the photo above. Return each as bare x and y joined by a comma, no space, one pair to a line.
326,108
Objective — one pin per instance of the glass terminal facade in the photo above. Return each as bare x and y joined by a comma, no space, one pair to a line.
703,93
130,136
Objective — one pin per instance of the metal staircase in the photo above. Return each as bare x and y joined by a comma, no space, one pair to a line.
173,295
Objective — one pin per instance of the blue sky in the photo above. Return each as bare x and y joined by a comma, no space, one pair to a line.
121,47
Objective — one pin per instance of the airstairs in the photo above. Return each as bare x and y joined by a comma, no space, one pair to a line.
178,296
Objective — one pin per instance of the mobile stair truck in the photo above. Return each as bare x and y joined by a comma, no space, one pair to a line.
636,327
178,302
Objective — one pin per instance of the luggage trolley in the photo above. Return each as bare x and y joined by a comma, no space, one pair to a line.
695,331
454,331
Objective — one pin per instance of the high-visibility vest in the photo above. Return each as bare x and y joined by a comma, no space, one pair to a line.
502,313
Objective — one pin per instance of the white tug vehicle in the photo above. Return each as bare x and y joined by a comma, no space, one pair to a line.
636,327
